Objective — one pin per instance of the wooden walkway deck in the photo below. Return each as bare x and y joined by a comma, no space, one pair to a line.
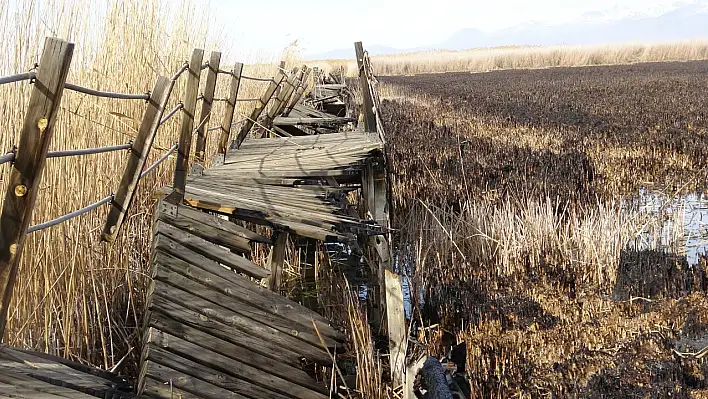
213,329
216,325
33,375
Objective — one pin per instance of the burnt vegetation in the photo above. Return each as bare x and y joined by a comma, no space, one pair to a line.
509,188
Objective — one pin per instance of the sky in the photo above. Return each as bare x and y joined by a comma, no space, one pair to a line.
324,25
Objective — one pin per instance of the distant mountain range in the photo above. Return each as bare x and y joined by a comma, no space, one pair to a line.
689,21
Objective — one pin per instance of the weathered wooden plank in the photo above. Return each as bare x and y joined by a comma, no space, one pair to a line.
221,224
396,324
368,102
222,322
233,347
168,272
138,157
230,366
276,261
298,93
332,120
230,107
154,388
207,232
211,251
211,274
260,106
281,97
186,129
207,102
194,370
187,383
26,172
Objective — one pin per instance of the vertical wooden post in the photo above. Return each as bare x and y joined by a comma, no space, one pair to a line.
281,98
207,101
138,157
390,292
260,106
299,92
276,260
26,172
190,107
230,107
296,81
369,117
396,322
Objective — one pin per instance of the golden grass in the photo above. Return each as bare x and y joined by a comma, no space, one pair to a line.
74,296
489,59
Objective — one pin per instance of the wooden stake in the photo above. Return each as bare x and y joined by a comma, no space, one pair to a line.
396,321
298,92
260,106
190,107
230,107
207,101
277,258
369,116
26,172
138,157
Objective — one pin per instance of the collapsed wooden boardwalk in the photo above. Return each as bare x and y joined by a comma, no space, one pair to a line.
216,324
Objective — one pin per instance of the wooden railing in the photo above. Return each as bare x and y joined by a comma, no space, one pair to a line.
29,157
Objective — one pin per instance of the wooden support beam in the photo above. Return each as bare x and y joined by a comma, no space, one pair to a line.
188,112
298,92
396,323
26,172
230,107
138,158
260,106
279,99
295,82
276,261
368,105
207,101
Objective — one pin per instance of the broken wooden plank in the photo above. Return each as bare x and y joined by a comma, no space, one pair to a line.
211,251
230,366
218,278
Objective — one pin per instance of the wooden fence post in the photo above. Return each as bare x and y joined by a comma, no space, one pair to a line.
190,107
281,98
276,260
230,107
369,117
207,101
295,84
298,93
26,172
260,106
138,157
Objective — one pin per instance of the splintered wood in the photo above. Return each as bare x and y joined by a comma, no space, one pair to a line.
213,332
264,182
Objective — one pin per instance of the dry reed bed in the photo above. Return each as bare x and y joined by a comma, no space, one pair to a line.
75,296
512,57
508,189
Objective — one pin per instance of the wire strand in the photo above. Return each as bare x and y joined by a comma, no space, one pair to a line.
88,151
70,216
172,113
9,157
17,78
159,161
107,94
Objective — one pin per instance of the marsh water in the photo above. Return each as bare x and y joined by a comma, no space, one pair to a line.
676,224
